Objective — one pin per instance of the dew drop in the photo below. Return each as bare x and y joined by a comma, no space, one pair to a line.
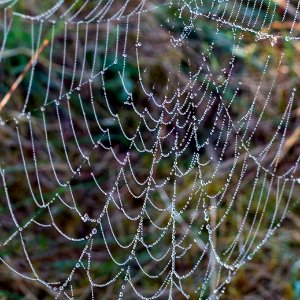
85,217
273,40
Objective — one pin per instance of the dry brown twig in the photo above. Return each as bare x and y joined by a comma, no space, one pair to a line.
22,75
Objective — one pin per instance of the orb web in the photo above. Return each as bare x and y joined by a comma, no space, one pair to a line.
132,163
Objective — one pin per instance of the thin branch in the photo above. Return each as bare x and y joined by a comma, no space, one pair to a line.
22,75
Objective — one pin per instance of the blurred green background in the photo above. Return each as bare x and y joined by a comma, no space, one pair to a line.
273,272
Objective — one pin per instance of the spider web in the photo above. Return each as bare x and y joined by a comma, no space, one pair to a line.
135,152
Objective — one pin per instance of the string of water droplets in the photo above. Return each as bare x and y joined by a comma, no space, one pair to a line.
180,170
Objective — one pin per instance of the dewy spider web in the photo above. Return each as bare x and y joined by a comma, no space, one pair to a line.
137,195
